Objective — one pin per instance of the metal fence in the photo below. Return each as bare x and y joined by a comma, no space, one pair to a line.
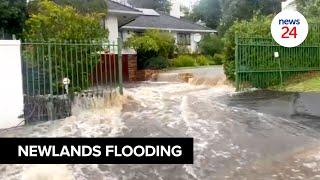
53,72
4,35
257,66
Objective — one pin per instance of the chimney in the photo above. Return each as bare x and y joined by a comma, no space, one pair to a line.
175,8
289,5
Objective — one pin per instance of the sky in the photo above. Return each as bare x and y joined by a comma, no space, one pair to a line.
188,3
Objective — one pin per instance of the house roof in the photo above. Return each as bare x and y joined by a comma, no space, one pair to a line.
165,22
115,7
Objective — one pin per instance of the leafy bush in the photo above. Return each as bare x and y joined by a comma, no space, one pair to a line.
218,59
53,23
50,20
158,62
202,60
210,45
152,43
258,26
182,49
184,61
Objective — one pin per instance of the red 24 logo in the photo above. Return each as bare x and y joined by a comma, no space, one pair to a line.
288,32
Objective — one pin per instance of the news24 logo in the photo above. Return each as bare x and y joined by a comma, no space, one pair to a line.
289,28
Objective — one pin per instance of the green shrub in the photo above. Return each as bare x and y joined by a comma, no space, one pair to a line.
152,43
184,61
202,60
182,49
49,23
158,62
258,26
218,59
210,45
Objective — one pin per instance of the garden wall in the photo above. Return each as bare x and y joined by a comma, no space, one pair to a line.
11,93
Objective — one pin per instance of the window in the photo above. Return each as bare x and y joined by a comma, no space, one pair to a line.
184,39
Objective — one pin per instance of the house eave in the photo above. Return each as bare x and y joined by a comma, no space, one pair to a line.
111,11
169,29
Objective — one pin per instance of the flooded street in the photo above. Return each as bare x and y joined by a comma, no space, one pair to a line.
254,135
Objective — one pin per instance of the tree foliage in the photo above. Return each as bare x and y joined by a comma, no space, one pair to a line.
208,11
309,8
258,26
245,10
13,14
160,5
151,44
223,13
210,45
53,22
86,6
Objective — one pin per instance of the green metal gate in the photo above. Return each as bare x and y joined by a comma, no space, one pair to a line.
87,67
257,66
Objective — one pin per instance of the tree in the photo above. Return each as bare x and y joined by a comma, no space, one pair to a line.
208,11
223,13
159,5
86,6
82,6
310,8
53,22
13,14
151,44
233,10
258,26
211,45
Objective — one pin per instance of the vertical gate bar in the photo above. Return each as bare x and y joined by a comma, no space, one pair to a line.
24,60
61,66
101,65
95,65
120,65
87,64
50,103
50,69
91,63
43,67
76,61
236,64
81,64
38,68
110,64
70,46
114,66
32,68
55,59
105,68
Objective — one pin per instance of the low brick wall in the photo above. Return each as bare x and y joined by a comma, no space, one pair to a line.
132,67
147,74
139,75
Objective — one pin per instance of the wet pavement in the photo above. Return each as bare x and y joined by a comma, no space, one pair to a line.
254,135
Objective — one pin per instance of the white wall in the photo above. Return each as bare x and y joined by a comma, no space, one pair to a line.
11,93
289,5
175,8
194,45
112,26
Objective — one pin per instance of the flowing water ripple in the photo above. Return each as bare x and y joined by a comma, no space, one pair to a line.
230,142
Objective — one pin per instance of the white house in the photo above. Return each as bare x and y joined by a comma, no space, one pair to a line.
124,20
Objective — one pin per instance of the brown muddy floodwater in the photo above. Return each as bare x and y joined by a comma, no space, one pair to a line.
253,135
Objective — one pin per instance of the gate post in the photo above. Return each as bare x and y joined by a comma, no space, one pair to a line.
120,83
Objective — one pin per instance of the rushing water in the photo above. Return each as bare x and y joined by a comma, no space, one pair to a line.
237,136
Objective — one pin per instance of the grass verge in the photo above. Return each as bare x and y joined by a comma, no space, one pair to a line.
309,82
